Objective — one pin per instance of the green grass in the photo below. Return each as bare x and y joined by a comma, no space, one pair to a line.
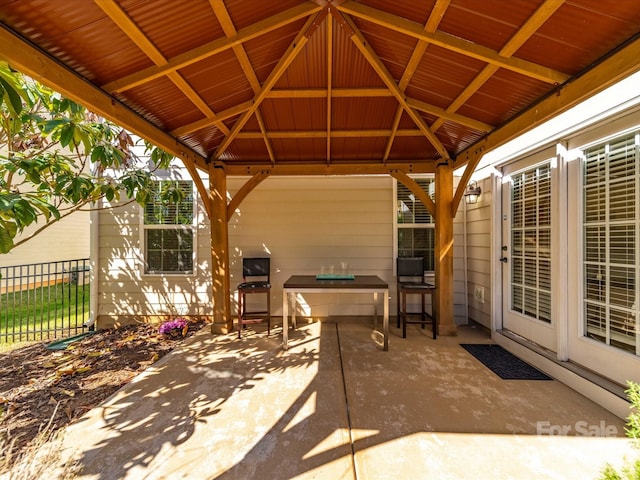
43,313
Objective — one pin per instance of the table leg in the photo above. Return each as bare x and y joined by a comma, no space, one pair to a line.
385,320
285,320
375,310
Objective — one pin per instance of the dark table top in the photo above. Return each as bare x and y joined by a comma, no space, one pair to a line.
360,281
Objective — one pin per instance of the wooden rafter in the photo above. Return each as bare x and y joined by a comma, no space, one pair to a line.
534,22
452,43
296,46
437,12
614,68
124,22
43,68
213,48
360,42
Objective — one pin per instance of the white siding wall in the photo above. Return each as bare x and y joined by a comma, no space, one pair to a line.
302,223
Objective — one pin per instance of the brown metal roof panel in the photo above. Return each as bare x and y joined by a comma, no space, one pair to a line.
163,103
442,75
488,23
204,141
356,113
502,96
83,37
294,113
299,149
410,148
393,48
244,13
456,138
350,67
409,9
244,149
349,149
174,27
265,51
564,42
309,68
219,80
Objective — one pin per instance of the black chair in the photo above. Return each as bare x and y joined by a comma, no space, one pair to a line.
410,281
256,278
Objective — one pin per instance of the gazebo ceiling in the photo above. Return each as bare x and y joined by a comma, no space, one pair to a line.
295,86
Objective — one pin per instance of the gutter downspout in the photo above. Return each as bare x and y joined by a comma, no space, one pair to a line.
94,244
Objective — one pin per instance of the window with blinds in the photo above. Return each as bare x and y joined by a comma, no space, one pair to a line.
610,232
169,230
415,225
531,242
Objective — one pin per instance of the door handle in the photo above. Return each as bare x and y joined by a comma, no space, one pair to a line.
504,259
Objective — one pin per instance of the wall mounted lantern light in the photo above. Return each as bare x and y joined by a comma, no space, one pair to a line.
472,193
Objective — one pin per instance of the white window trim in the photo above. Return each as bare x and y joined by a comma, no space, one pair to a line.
397,225
193,227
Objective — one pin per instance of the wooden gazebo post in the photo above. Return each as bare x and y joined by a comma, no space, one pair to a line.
444,249
222,321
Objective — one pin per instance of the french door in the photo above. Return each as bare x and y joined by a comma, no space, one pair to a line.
526,255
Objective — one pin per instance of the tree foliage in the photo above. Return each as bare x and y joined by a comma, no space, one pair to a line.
56,157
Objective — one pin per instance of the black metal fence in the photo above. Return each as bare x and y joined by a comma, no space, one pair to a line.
43,301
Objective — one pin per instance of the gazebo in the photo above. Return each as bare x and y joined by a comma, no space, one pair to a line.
325,87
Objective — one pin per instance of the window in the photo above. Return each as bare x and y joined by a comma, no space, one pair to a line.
414,224
169,230
610,234
531,242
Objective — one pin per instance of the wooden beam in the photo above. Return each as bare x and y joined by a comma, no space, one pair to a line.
129,28
609,71
437,12
358,39
452,117
292,134
245,190
534,22
329,83
214,47
221,291
265,138
322,169
203,191
296,46
26,58
452,43
444,250
415,188
207,122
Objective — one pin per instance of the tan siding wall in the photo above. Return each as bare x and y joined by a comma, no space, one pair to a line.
478,234
125,294
303,224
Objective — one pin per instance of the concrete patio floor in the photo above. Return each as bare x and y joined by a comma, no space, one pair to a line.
334,406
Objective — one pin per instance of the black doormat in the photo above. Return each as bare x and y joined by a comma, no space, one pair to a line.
504,364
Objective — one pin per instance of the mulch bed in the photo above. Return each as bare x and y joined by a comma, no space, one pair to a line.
38,385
